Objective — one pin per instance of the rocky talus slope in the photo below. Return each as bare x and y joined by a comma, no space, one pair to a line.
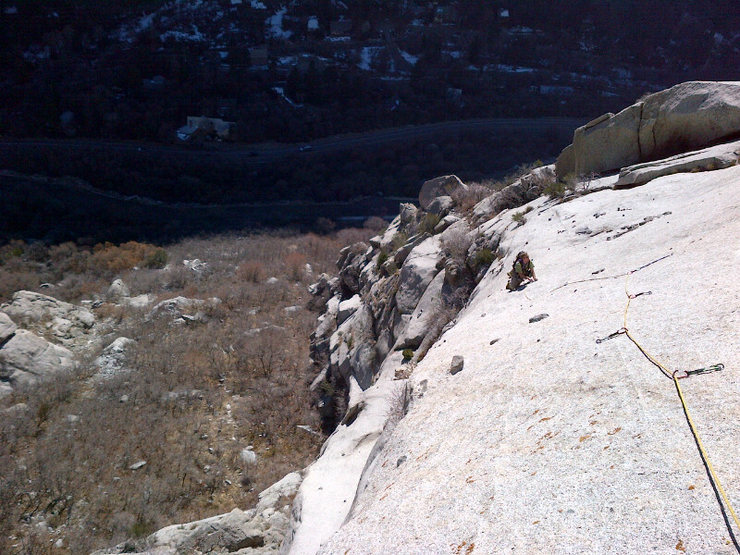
511,428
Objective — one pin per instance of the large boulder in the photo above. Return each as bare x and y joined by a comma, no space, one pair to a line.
417,272
608,142
566,163
180,307
687,116
70,325
7,327
118,290
441,205
258,530
348,308
446,185
424,315
27,358
111,360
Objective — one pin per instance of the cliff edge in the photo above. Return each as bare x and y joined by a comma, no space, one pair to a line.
523,422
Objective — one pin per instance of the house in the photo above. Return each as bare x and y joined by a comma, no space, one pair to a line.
205,126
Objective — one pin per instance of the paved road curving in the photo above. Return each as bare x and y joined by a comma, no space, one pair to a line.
265,153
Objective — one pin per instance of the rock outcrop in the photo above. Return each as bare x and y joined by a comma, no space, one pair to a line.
523,190
440,189
687,116
118,290
515,430
548,441
510,424
67,324
256,531
708,159
38,337
111,361
183,309
7,328
26,359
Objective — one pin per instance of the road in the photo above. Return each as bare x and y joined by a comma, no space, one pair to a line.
267,153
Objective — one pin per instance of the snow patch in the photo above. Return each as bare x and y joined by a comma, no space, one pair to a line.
367,56
275,25
281,92
410,58
194,36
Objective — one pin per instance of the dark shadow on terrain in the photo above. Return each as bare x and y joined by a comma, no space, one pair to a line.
53,212
122,191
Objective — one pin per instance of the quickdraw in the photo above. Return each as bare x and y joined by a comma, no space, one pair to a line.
699,371
617,333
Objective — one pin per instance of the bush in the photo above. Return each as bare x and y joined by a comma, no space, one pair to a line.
376,224
457,242
556,189
428,223
250,353
519,218
156,260
382,259
399,240
108,259
483,257
408,354
251,270
466,199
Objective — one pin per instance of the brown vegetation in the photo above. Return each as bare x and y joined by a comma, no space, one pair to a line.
195,395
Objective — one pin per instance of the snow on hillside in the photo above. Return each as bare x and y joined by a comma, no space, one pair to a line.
275,25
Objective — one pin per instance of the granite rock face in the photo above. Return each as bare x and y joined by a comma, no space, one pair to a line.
255,531
708,159
443,186
685,117
7,327
65,323
27,359
548,441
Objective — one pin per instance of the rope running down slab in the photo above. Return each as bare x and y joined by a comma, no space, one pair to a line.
716,484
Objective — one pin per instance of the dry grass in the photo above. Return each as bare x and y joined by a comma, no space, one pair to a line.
195,396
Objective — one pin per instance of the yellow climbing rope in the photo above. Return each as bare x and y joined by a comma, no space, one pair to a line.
672,375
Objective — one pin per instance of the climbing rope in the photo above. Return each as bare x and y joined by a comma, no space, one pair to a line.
674,377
